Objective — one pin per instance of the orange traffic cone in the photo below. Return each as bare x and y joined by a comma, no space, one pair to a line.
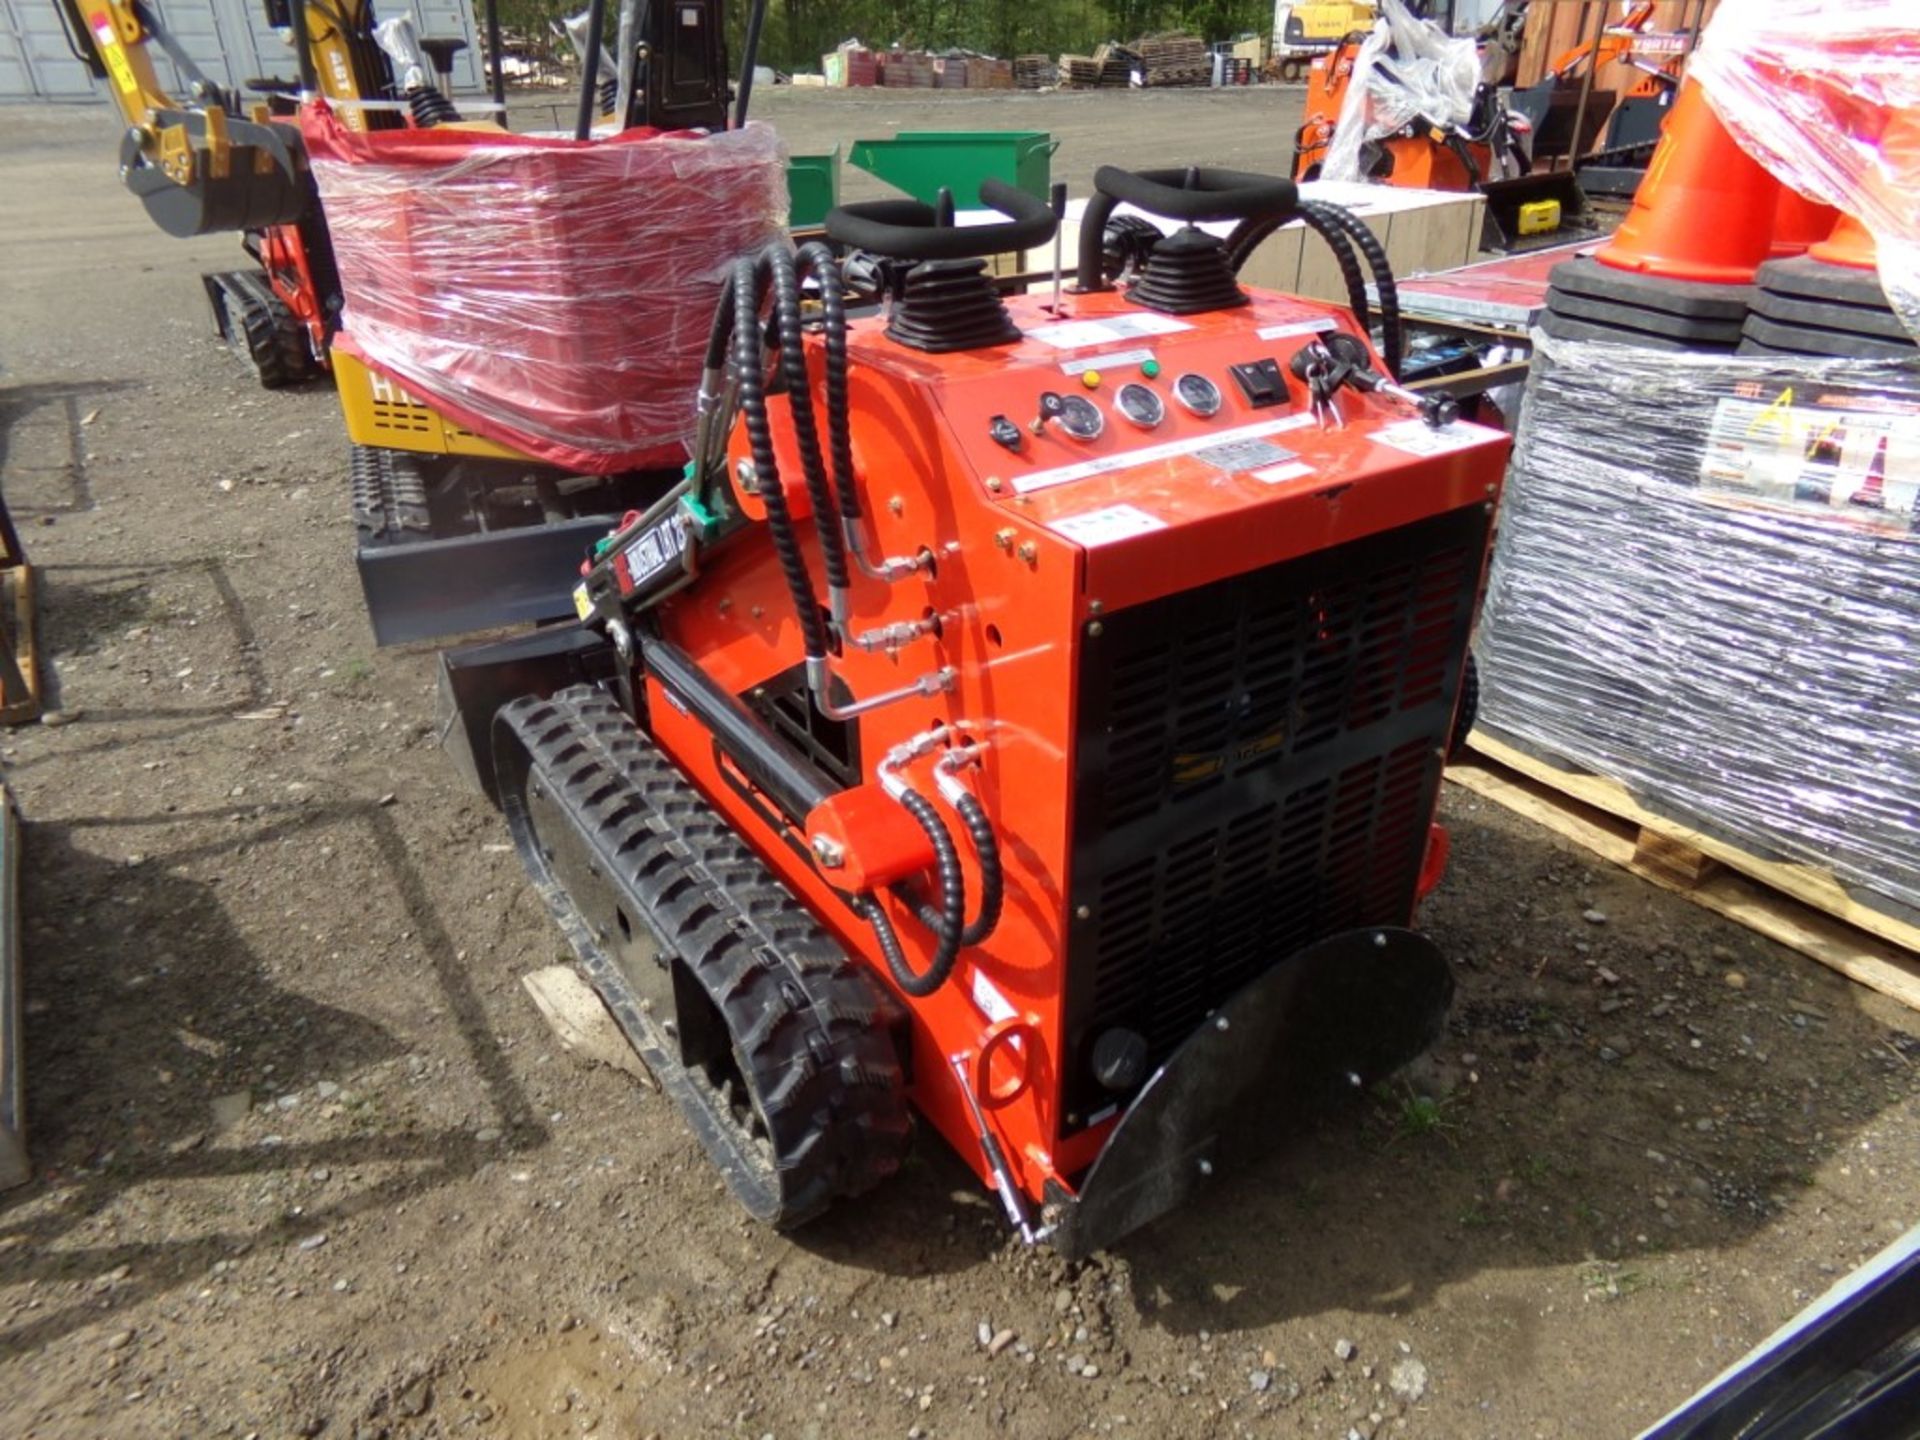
1705,210
1799,222
1850,244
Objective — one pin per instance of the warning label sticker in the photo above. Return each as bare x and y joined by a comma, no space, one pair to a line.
1106,525
1860,465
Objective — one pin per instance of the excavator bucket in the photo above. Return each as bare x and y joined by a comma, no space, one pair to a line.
242,176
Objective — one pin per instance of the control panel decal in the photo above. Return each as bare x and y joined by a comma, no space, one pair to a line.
1150,454
1078,334
1106,525
1115,358
1416,437
1319,326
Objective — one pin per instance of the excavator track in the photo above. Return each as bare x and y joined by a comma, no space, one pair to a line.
389,495
775,1044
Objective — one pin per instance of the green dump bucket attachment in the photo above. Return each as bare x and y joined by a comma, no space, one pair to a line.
920,162
813,188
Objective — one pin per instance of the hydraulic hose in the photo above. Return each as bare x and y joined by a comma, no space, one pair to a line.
747,362
947,920
1391,339
986,849
806,428
816,258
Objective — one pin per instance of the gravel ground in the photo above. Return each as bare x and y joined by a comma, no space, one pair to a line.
312,1165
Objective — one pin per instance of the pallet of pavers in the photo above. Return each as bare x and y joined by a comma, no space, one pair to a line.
1697,656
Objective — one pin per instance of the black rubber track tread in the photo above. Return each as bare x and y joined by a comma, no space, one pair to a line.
809,1026
389,495
275,343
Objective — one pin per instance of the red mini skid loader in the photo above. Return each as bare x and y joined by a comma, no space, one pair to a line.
1025,713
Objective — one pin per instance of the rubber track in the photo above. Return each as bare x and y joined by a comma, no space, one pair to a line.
389,495
809,1027
275,343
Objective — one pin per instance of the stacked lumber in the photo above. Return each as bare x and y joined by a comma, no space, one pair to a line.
950,72
1035,72
1117,64
1079,72
1174,58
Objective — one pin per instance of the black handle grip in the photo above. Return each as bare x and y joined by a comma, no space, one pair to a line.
1194,194
908,230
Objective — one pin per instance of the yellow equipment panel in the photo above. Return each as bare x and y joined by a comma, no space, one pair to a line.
381,412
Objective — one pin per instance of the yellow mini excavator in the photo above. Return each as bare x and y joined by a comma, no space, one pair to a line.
213,159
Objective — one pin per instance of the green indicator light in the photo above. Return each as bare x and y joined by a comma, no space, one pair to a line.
1150,368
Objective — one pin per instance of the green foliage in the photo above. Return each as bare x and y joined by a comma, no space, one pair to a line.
799,32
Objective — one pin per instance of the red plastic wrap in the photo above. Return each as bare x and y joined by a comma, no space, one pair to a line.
549,294
1827,97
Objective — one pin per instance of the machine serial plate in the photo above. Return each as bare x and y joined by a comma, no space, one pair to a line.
1239,455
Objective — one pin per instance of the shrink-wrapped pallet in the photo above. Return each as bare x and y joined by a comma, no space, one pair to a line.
549,294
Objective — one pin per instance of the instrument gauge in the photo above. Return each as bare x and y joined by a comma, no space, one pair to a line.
1140,404
1199,395
1081,418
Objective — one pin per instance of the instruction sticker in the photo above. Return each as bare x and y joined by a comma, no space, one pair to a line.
1319,326
582,606
1106,525
1854,457
1153,454
1115,358
655,550
1280,474
1416,437
986,995
1078,334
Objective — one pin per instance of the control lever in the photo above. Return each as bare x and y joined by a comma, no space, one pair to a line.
1437,410
1052,403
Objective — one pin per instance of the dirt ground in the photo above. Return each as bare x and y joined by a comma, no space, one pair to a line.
311,1164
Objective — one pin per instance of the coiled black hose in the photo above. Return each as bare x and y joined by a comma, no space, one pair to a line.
947,920
1242,243
747,362
806,427
986,849
817,259
1342,232
1391,339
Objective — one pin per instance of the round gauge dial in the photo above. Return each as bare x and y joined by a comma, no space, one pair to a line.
1080,417
1198,394
1140,405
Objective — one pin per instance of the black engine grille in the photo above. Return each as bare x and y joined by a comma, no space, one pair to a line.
1256,762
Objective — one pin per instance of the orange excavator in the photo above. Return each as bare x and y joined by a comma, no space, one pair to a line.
1632,117
1495,147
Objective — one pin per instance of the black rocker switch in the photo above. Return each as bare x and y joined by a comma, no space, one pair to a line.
1004,432
1261,382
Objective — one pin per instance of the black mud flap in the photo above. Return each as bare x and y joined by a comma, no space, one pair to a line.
1335,1017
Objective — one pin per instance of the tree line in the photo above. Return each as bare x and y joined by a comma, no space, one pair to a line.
799,32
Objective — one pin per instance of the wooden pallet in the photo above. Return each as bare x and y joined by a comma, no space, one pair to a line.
1801,906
